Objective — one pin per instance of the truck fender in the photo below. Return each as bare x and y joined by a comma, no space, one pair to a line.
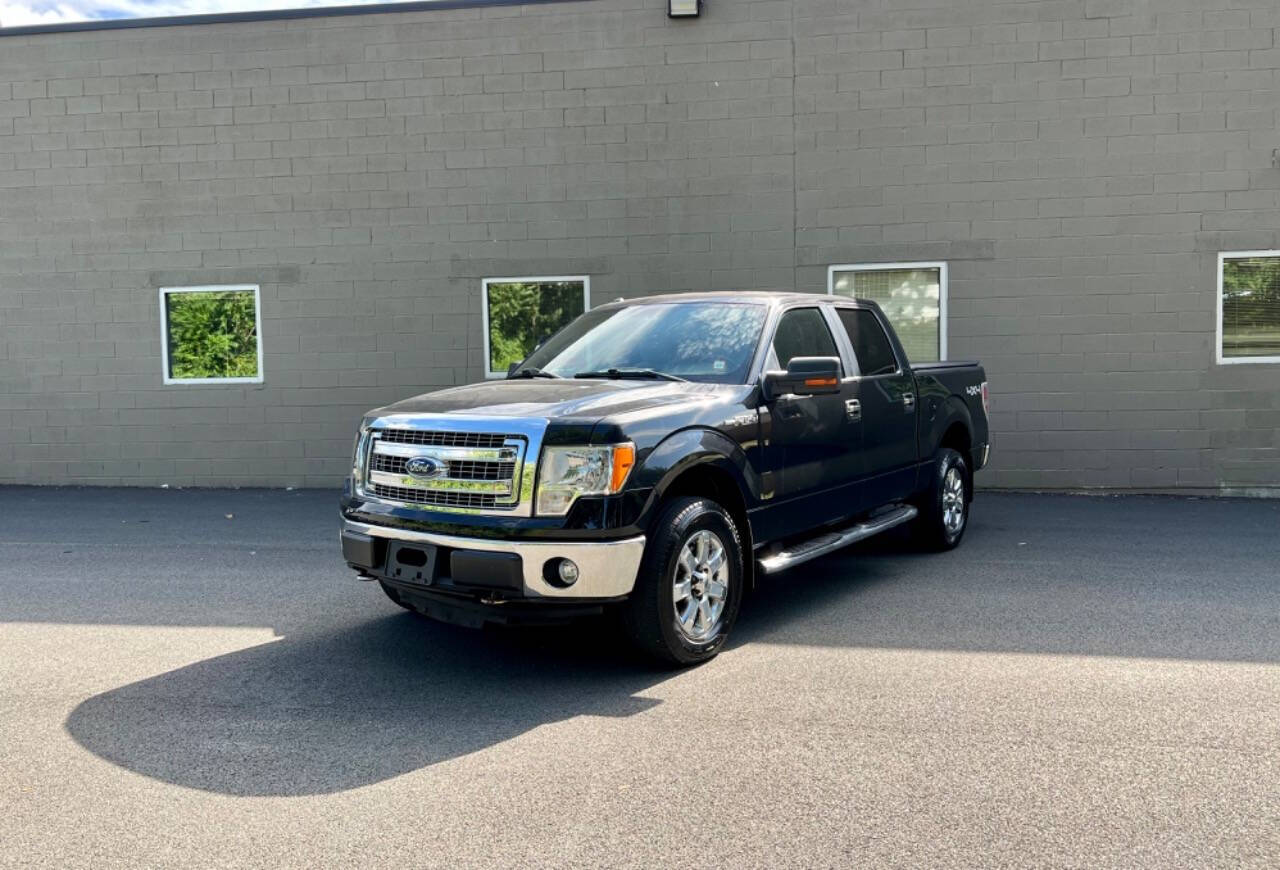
682,450
701,448
952,410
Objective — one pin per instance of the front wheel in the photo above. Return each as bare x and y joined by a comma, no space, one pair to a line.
689,588
944,506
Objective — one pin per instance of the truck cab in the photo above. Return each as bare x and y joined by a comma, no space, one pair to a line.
656,457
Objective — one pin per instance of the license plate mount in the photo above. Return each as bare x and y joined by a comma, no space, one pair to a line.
411,563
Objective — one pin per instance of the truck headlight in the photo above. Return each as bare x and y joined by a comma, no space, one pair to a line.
357,457
569,472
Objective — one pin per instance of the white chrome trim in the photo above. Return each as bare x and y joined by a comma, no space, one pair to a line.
1221,360
447,454
607,569
524,435
823,544
442,484
943,283
484,305
212,288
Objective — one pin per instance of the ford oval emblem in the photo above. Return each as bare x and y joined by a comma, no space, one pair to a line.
424,468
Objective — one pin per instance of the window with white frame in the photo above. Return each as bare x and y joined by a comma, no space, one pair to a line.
912,295
211,335
1249,307
522,313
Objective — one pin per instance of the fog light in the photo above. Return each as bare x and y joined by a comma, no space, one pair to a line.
560,573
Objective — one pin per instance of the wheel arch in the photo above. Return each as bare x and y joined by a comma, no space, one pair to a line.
705,463
957,434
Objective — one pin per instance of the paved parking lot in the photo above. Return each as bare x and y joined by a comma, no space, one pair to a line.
193,678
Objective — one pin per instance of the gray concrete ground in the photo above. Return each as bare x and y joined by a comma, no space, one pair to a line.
192,678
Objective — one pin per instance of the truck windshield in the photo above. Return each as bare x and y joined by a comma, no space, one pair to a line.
696,341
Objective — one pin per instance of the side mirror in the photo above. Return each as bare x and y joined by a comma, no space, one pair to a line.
805,376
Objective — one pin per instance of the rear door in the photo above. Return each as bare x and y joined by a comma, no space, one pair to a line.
816,437
889,408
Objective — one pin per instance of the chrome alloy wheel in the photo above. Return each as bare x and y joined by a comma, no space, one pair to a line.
700,586
953,500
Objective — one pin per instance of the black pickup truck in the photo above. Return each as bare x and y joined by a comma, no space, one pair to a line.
656,457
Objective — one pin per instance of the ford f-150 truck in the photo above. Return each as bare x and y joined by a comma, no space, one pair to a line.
656,457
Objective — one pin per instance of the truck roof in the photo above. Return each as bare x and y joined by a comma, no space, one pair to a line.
770,297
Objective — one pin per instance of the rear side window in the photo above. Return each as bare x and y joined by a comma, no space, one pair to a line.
870,344
802,332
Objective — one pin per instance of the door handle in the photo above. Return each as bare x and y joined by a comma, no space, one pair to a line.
853,409
909,401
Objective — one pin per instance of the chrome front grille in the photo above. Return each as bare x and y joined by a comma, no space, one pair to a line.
433,499
467,470
459,469
389,464
447,469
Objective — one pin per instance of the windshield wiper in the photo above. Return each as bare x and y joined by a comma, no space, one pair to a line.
633,374
531,372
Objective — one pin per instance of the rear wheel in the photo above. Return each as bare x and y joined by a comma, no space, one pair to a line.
944,506
689,588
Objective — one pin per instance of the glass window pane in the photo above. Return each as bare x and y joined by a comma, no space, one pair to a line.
523,314
870,344
1250,307
910,298
698,341
212,334
802,332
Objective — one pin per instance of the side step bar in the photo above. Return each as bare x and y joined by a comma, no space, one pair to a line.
823,544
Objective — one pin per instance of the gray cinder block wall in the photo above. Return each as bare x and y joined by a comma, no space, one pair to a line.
1078,163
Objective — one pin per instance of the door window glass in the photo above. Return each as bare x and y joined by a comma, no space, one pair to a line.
802,332
870,344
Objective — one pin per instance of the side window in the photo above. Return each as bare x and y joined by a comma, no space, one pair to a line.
870,344
802,332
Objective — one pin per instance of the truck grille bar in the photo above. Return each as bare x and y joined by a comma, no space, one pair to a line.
444,439
459,469
409,495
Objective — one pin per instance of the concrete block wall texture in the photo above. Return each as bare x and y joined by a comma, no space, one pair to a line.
1077,163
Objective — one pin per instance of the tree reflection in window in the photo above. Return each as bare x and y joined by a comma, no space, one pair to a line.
1250,307
695,340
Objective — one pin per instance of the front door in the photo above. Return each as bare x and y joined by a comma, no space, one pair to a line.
815,439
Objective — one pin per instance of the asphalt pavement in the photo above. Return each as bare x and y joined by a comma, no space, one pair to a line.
193,678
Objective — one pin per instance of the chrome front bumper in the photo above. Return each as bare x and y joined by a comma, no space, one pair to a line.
607,569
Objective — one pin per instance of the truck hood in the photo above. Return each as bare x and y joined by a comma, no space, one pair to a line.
581,400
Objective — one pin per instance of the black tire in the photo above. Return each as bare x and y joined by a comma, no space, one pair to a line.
394,596
935,528
650,615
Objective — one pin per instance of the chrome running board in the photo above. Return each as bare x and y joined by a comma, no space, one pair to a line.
823,544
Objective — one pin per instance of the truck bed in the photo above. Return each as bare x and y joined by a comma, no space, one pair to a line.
949,382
